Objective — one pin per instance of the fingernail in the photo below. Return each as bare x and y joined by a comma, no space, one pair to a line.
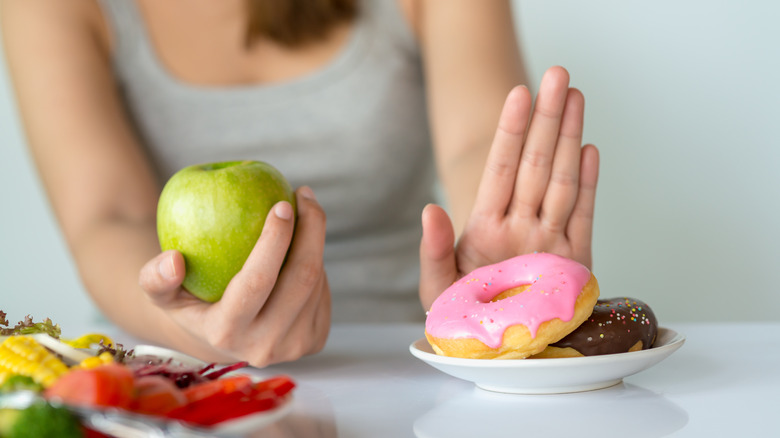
166,268
307,193
283,210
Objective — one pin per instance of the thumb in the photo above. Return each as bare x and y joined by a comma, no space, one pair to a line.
161,277
438,268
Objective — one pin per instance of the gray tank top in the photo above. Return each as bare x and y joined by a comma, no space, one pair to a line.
356,131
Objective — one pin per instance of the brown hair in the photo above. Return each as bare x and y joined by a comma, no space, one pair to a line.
296,22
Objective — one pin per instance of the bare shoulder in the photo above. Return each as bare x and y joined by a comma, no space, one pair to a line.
36,24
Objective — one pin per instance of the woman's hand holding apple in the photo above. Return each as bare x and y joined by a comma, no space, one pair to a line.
273,310
537,191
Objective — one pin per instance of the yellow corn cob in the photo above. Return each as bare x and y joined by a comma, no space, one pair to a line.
24,355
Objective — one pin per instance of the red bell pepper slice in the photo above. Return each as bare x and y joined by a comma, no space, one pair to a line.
279,385
228,384
215,403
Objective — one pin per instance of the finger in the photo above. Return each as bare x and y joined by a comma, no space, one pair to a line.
248,291
498,179
438,268
161,277
539,148
563,187
303,270
580,228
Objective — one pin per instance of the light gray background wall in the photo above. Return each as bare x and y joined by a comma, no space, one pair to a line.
682,99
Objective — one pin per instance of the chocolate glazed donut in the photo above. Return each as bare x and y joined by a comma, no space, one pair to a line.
617,325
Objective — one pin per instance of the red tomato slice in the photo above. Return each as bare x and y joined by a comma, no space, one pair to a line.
109,385
156,395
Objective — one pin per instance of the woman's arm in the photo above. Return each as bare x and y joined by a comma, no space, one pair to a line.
471,61
104,193
100,185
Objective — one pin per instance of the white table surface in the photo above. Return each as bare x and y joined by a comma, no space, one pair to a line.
725,381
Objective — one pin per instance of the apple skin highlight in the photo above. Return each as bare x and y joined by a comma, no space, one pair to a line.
213,214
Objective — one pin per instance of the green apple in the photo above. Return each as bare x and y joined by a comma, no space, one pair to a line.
213,214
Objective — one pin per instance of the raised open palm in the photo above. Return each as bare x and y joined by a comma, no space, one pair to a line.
537,191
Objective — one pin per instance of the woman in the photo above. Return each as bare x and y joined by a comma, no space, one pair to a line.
361,103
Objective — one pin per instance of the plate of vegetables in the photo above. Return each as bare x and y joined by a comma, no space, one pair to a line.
90,384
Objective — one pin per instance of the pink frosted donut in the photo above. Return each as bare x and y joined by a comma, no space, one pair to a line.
512,309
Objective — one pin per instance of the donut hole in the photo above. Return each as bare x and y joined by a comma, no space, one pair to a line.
510,293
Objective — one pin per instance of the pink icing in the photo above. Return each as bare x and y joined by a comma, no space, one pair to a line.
464,310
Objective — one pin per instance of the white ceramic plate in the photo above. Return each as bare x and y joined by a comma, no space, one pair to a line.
551,376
